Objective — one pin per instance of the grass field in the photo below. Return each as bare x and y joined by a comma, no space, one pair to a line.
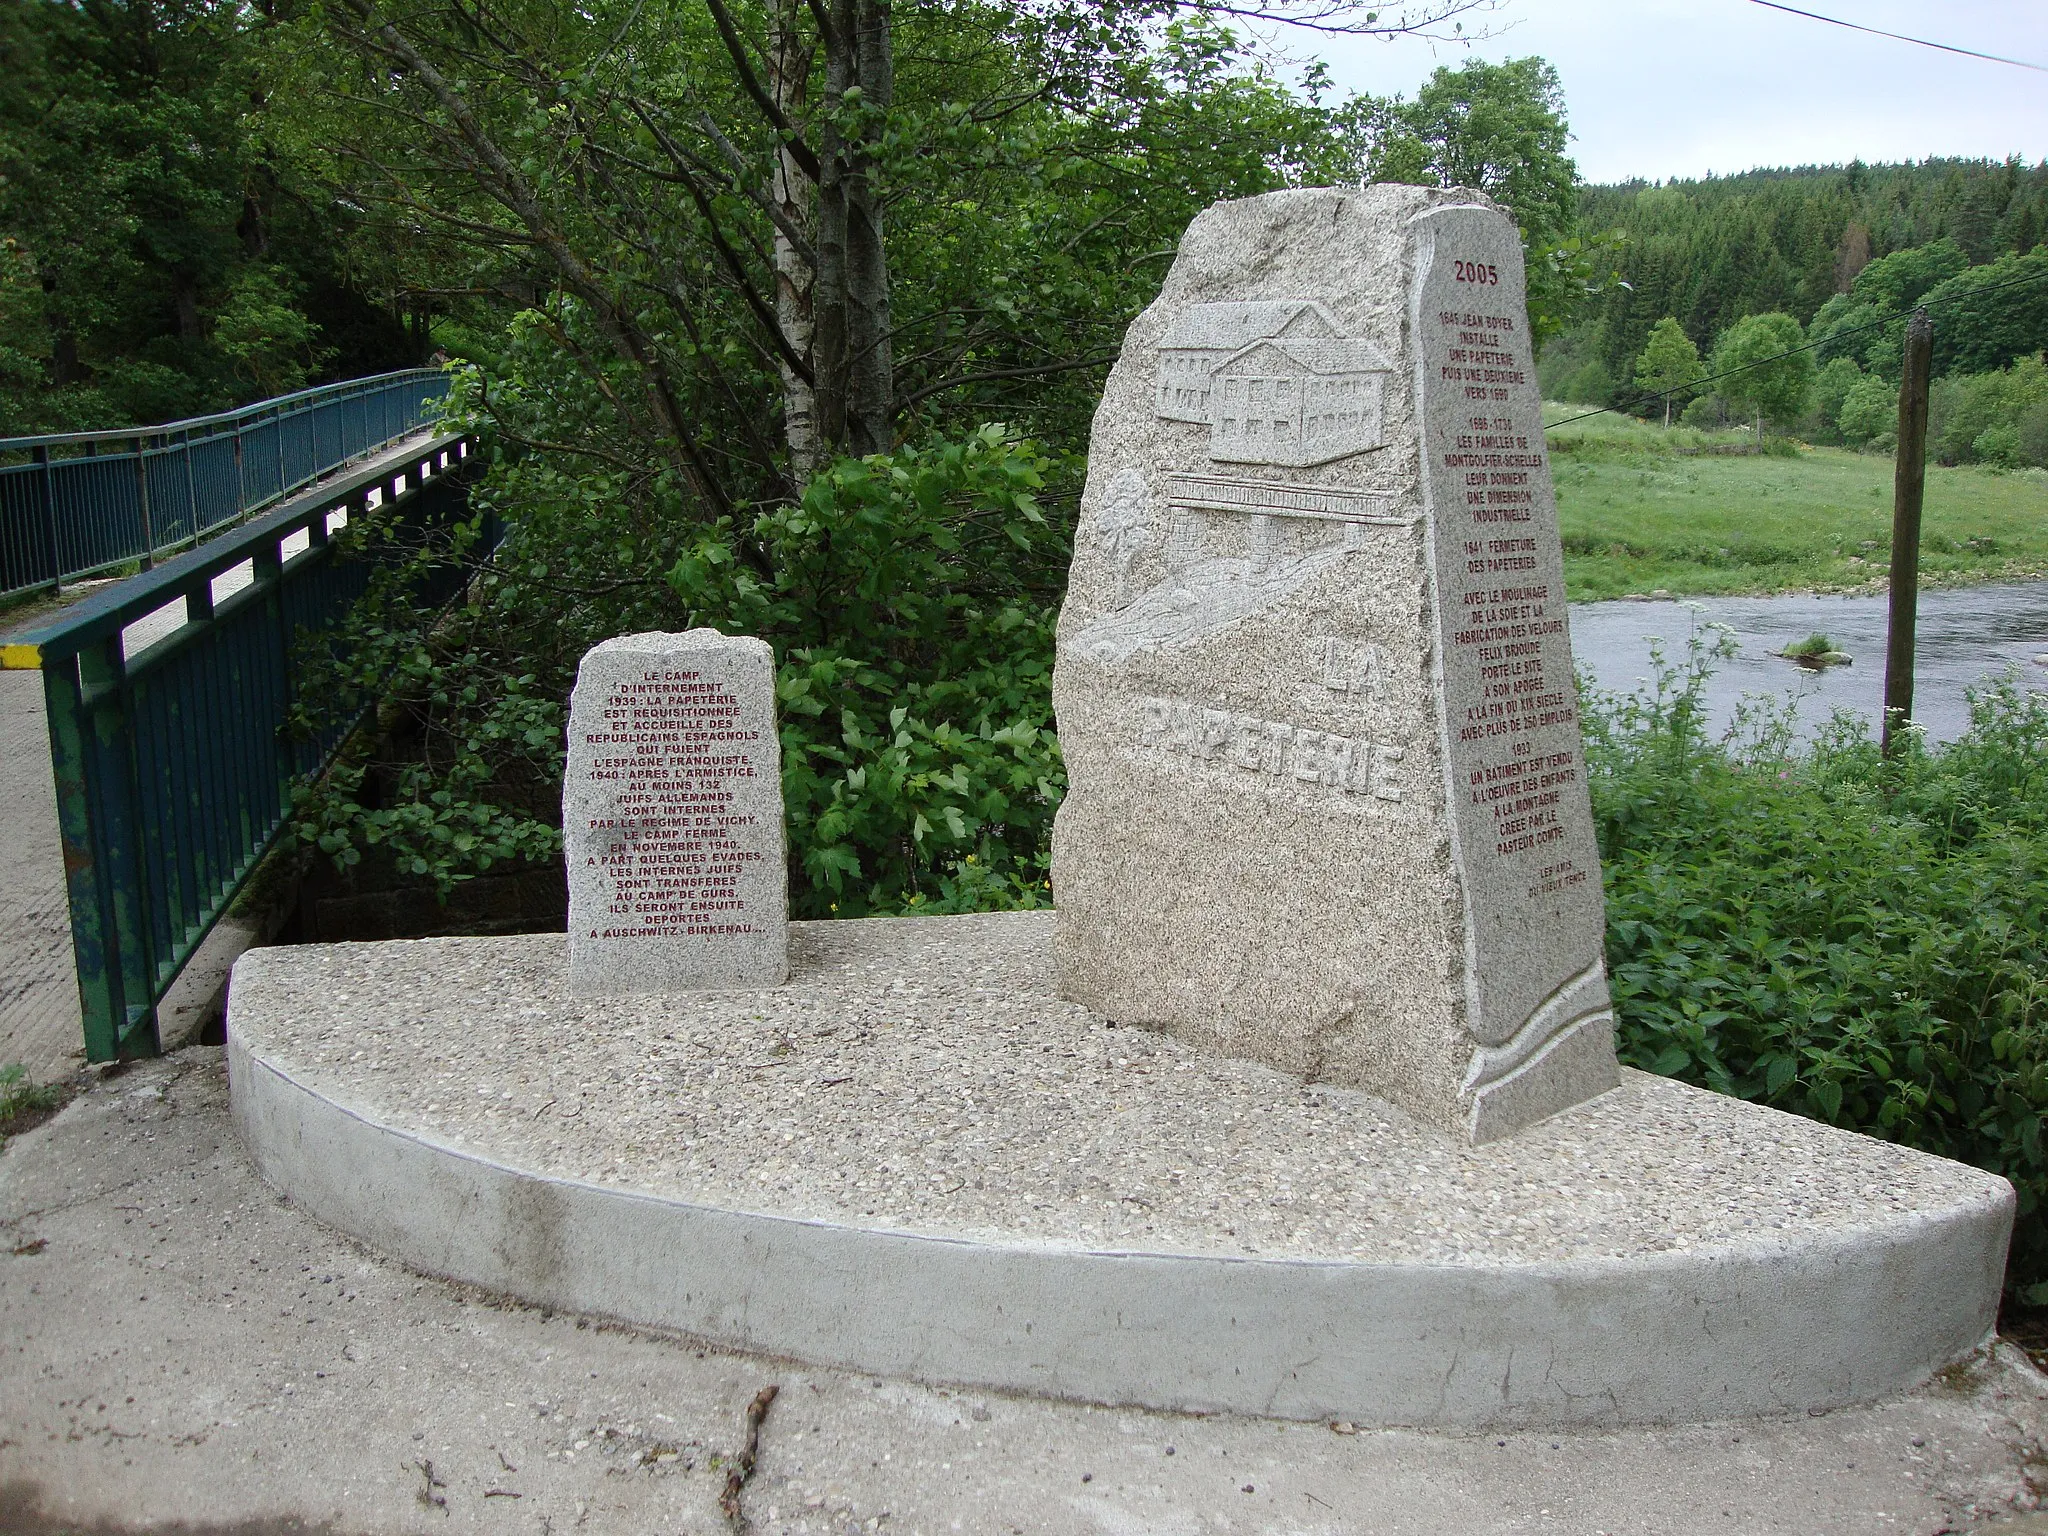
1640,516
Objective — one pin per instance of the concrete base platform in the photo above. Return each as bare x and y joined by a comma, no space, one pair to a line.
915,1160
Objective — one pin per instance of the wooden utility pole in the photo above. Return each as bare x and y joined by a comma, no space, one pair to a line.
1909,487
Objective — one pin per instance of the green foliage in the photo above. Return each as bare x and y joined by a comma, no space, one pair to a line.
20,1096
1831,387
1975,329
1770,385
1895,283
162,258
1989,418
909,597
1589,384
1984,318
916,669
1847,329
1502,129
1860,943
24,334
1798,241
2029,437
1705,412
1617,437
268,341
24,1102
1670,365
1869,413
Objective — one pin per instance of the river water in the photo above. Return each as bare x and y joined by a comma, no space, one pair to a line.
1965,635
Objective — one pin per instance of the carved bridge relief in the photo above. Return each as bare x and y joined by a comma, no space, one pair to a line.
1231,549
1276,383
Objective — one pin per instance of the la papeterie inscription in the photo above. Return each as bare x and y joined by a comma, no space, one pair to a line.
1273,749
673,824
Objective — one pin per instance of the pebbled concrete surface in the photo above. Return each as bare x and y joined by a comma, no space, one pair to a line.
923,1074
182,1350
915,1159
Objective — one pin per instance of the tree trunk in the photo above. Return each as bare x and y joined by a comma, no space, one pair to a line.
1667,413
794,195
253,229
66,367
854,364
185,296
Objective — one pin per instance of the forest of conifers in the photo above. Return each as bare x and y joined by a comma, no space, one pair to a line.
1830,253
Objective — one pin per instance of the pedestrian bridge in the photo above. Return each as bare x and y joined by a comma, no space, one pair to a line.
162,582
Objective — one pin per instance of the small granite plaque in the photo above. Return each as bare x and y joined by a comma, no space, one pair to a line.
1326,803
672,816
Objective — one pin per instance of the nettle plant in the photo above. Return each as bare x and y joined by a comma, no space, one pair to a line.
910,598
1862,942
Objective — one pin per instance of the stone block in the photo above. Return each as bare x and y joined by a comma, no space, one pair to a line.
1327,803
672,816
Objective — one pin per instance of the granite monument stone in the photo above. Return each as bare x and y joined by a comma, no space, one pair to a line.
1327,803
672,816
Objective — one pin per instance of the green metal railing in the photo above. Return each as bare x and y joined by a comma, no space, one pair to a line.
76,503
173,766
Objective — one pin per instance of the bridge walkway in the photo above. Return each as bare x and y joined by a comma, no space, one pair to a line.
39,1011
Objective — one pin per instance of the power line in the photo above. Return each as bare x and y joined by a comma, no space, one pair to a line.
1827,340
1898,37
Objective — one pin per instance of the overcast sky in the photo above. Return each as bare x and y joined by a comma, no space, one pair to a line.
1662,88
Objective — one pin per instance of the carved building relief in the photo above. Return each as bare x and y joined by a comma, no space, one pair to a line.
1274,380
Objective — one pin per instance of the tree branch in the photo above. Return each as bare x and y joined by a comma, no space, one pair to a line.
512,190
992,374
798,150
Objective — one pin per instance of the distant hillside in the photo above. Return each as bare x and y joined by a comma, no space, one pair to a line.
1710,252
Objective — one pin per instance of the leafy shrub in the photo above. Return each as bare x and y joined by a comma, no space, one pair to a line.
1591,384
2030,432
1707,412
1845,327
1860,942
1831,386
909,597
919,764
1869,413
1976,418
1624,440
